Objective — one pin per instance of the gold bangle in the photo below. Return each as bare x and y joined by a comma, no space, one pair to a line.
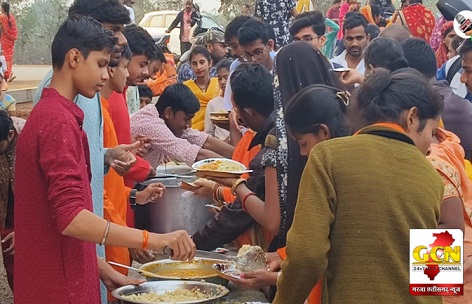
236,184
105,235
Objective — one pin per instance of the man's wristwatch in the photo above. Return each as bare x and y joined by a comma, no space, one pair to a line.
132,197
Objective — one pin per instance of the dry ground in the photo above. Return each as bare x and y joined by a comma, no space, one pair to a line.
6,296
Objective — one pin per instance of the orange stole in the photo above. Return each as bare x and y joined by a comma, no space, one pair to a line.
115,194
315,294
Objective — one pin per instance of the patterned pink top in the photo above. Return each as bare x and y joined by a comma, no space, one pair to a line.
163,142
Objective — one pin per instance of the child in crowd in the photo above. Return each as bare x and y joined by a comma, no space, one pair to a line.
53,170
204,87
453,46
145,95
7,102
216,104
162,73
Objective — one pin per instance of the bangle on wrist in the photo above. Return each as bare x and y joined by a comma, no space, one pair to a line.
145,239
236,184
105,235
243,202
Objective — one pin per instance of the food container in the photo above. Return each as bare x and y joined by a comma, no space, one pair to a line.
215,292
176,210
196,270
204,172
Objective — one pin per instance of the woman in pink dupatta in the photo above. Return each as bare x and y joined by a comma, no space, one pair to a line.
9,35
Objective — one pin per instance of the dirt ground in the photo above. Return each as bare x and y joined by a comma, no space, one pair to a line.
6,296
23,109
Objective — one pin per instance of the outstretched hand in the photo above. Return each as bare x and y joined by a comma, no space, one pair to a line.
121,158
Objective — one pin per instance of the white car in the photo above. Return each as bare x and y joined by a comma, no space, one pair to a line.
156,23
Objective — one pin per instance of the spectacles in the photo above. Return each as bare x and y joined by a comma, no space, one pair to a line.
257,55
307,38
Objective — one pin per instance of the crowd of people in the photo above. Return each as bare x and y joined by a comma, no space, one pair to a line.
356,126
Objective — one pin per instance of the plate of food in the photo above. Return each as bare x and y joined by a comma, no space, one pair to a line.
219,167
249,258
171,292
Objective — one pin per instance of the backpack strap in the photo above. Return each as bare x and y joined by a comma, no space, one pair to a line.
455,67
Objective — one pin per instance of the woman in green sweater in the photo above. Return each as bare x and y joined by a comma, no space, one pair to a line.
360,195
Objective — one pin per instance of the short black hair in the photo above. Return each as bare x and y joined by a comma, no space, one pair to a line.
385,53
200,50
179,98
420,56
315,105
336,1
373,31
233,27
144,91
465,47
126,54
6,124
159,55
271,32
246,5
109,11
140,42
253,30
376,10
314,19
354,20
83,33
224,64
251,84
456,42
385,95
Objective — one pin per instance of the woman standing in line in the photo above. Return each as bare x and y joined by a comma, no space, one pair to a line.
9,36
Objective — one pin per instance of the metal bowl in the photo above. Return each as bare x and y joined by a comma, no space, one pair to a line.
215,292
162,268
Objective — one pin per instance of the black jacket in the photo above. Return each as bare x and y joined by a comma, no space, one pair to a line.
194,18
232,220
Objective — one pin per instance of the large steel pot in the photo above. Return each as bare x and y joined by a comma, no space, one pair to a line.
176,210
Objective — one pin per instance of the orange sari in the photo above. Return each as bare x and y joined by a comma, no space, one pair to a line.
213,90
448,159
9,35
315,294
367,12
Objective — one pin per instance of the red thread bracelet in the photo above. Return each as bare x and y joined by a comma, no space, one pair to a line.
243,202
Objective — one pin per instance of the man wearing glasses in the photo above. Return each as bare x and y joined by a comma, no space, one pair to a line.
254,40
311,27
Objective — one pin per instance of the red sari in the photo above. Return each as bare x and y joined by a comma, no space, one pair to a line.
420,21
9,35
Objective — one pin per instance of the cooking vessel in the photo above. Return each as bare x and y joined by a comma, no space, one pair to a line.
216,291
175,270
177,209
450,8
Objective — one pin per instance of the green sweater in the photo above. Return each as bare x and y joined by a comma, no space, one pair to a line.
358,198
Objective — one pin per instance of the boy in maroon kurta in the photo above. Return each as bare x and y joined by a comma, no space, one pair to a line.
53,174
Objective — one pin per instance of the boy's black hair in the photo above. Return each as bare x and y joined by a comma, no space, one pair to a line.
314,19
252,88
385,53
83,33
253,30
160,55
233,27
179,98
420,56
109,11
336,1
126,54
6,124
465,47
224,64
144,91
354,20
140,42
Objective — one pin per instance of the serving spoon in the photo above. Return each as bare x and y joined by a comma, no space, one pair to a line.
141,272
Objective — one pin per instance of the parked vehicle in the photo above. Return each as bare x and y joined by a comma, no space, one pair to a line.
157,22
